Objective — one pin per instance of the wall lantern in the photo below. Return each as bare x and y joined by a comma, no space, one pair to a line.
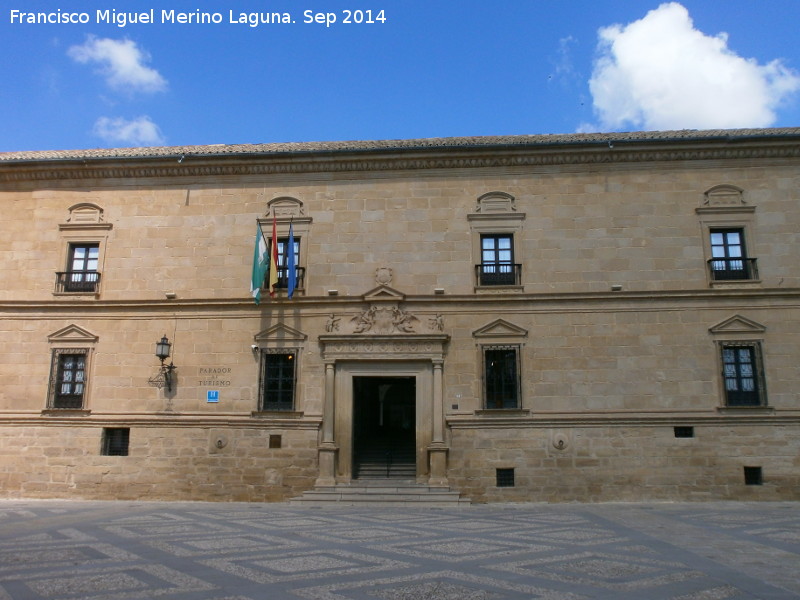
163,348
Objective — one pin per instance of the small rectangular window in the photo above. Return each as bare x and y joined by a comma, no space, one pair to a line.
684,432
753,476
505,477
68,378
501,376
275,440
116,441
278,378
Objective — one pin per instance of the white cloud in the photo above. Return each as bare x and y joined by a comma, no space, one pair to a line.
122,64
661,73
138,132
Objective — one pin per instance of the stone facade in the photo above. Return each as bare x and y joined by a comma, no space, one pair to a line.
610,317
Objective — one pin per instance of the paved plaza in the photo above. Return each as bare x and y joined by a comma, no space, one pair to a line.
59,550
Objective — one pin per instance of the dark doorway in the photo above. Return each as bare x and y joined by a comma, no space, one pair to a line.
384,427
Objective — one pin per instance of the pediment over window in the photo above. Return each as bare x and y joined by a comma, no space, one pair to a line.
85,212
724,195
496,202
383,293
280,333
285,208
500,328
72,334
738,324
85,216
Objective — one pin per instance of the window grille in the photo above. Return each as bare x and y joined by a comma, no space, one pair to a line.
505,477
68,378
742,374
278,378
116,441
501,376
753,476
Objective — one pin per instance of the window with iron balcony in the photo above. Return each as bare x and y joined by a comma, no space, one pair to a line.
81,275
729,260
283,268
497,261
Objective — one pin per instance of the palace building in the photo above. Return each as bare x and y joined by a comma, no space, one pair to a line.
583,317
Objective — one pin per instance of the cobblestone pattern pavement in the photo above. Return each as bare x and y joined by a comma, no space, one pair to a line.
64,550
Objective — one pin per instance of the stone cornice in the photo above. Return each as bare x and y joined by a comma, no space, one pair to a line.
160,419
525,151
633,418
546,302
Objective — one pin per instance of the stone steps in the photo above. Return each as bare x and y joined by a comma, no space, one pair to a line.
382,492
373,470
386,459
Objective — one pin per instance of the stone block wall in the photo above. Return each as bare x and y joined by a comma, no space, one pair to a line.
173,462
628,463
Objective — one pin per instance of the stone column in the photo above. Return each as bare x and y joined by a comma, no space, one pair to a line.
327,447
438,403
437,451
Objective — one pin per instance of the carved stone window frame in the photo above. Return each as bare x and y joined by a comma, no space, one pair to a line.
280,339
496,214
501,334
738,331
724,208
84,226
71,339
286,211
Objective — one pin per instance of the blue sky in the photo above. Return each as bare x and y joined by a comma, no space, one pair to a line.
432,69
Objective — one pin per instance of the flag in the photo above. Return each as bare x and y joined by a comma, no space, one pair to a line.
273,259
259,265
291,268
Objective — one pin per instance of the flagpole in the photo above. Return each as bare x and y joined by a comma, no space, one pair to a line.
291,267
273,258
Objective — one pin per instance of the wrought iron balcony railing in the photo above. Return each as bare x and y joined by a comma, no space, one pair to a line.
733,269
498,274
283,278
87,282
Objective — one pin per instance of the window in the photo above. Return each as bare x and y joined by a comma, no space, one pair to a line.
493,225
68,378
504,477
729,257
81,274
116,441
753,476
283,272
278,379
742,374
501,376
288,214
497,260
683,431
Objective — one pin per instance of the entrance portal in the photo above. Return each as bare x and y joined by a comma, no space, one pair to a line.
384,427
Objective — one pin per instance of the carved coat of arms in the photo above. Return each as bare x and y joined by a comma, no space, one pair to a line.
383,320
